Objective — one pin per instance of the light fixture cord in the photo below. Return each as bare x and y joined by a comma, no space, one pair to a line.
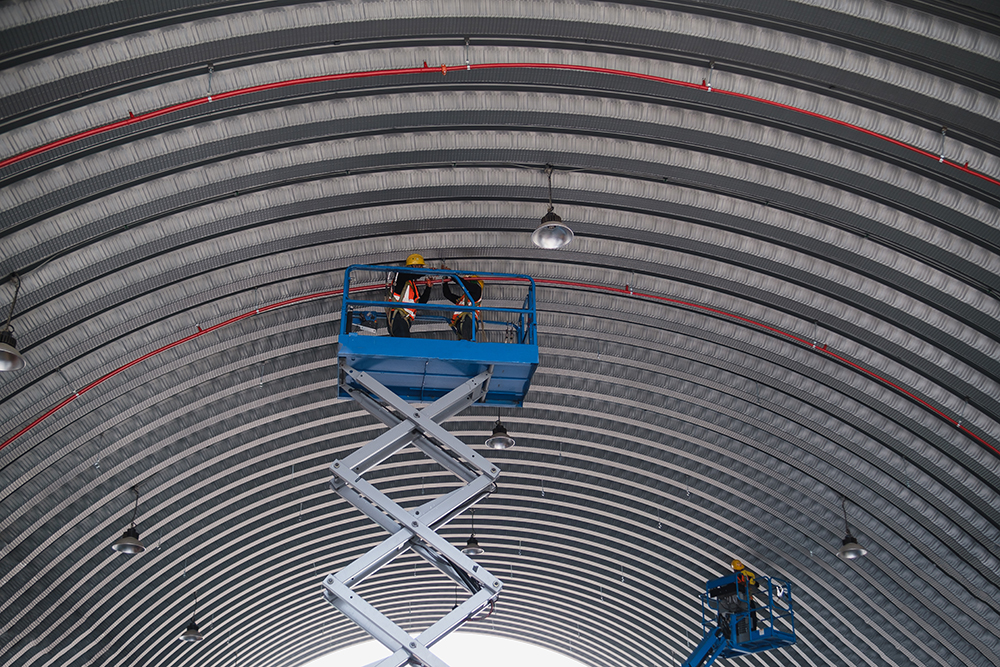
473,522
548,170
135,510
17,289
843,505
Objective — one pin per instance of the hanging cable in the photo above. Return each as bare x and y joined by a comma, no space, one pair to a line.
17,288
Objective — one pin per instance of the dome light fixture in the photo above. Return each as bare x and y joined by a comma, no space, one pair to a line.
129,542
191,633
553,232
472,547
499,439
850,549
10,358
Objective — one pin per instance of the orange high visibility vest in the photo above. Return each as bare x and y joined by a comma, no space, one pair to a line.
464,301
409,295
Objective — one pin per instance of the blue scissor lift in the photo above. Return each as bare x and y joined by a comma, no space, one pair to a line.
387,376
738,618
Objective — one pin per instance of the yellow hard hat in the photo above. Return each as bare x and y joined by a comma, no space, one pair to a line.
737,565
415,260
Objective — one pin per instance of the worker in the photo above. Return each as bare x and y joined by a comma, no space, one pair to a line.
405,290
746,582
464,322
743,575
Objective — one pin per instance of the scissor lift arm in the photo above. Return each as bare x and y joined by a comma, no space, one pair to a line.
413,529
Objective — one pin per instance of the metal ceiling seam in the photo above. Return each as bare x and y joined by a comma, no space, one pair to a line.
898,529
111,347
138,435
876,462
175,363
159,423
576,305
755,99
675,24
821,351
152,279
86,118
866,296
117,588
844,343
946,511
299,193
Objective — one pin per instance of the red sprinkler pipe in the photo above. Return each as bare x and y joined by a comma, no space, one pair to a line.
444,70
541,281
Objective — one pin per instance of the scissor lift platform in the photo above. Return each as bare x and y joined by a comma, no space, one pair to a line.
422,370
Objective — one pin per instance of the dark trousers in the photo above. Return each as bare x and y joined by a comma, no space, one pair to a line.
464,326
399,324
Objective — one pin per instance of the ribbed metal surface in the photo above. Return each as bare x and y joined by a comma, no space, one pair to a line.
762,310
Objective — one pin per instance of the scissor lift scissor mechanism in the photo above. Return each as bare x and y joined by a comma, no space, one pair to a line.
383,375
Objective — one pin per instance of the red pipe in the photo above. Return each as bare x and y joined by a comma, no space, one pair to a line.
444,70
542,281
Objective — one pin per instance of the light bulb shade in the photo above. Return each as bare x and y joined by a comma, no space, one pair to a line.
499,439
191,633
552,233
472,547
10,358
129,542
851,550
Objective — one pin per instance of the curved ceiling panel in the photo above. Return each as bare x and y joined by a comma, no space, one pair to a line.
784,290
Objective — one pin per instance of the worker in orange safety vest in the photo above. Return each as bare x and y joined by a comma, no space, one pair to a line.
746,580
405,289
464,322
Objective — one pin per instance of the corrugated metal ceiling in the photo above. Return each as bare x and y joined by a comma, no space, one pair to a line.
778,295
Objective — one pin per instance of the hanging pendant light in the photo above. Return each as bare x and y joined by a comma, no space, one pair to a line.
553,232
191,633
850,549
10,358
472,547
499,439
129,542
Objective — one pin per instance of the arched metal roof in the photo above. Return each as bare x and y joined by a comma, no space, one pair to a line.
784,289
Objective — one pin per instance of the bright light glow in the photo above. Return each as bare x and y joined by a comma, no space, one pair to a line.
459,649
